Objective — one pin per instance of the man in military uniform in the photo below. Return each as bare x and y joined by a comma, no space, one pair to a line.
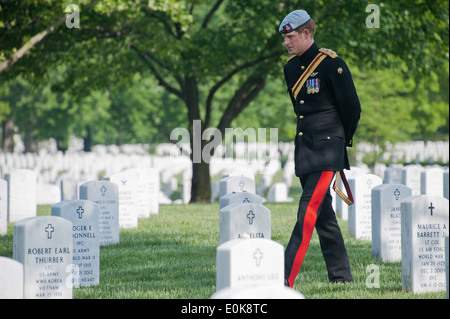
328,110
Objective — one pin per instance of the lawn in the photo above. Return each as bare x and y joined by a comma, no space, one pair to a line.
172,255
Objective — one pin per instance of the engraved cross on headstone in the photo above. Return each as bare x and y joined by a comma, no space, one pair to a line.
49,229
80,212
241,186
103,190
431,208
250,217
258,255
396,194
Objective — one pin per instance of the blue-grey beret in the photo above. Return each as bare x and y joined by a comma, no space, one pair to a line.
294,20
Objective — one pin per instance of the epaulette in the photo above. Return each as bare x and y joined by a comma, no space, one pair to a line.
329,52
290,58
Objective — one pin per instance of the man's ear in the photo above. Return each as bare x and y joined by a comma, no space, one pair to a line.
306,33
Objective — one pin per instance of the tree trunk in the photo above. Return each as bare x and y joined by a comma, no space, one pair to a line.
31,145
87,140
8,135
201,183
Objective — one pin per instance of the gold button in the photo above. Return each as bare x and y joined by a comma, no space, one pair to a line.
300,134
328,138
301,117
302,67
302,102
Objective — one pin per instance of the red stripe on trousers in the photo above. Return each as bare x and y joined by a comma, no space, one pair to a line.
309,222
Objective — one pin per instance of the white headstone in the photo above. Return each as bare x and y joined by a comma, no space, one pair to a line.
47,194
236,184
446,184
393,175
21,194
424,224
11,279
278,193
238,171
106,195
147,191
69,189
244,221
446,264
432,181
386,230
360,213
44,246
141,193
269,292
153,190
127,181
186,187
85,233
249,263
3,206
239,198
411,177
341,206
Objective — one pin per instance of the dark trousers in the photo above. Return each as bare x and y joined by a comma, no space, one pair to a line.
315,209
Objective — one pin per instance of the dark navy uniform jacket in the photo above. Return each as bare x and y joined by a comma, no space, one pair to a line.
328,111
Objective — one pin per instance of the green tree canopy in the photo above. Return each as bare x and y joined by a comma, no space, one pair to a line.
201,49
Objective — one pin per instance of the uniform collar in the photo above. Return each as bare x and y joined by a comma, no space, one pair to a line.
309,54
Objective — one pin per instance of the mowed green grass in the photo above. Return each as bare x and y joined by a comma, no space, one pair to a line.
172,255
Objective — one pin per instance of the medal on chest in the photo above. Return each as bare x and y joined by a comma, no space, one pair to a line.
312,86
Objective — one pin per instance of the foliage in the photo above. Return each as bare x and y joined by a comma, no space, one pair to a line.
215,60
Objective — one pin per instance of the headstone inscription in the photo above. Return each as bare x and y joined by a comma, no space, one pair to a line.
248,263
11,279
85,233
3,207
106,195
44,246
424,225
21,194
386,230
360,213
244,220
127,183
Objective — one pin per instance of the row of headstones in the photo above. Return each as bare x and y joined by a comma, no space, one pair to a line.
53,254
430,181
242,215
402,227
137,191
248,263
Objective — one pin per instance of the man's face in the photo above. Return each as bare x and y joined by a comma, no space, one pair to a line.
296,43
